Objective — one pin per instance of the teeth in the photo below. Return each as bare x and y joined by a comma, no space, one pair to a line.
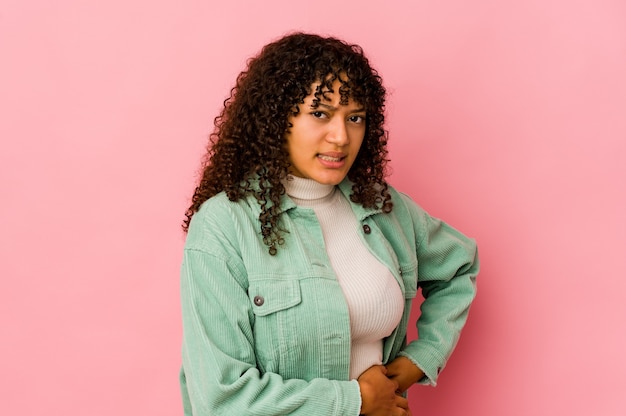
330,159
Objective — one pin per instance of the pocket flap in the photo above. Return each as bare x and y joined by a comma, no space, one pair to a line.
272,295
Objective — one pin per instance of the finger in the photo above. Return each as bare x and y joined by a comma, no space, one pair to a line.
396,385
400,412
402,402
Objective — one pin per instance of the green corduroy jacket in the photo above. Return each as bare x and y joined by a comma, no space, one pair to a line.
270,335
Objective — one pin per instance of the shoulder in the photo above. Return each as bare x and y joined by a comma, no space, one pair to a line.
429,231
219,208
414,221
405,206
219,222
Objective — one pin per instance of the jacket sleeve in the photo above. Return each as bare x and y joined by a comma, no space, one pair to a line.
447,268
219,374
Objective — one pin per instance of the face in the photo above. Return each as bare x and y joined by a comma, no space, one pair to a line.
325,140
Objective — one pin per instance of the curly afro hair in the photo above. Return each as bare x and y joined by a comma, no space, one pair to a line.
247,154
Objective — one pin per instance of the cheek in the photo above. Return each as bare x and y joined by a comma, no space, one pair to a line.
295,151
358,141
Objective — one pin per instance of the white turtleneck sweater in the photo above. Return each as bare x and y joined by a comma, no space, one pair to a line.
374,298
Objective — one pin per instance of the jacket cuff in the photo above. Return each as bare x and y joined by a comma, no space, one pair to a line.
427,359
348,398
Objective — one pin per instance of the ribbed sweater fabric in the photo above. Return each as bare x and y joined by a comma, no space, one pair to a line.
373,296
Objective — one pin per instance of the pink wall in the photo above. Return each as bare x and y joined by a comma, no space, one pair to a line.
507,118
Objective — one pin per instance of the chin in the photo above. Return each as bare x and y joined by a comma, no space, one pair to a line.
329,180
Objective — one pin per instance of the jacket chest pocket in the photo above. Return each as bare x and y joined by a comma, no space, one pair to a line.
274,304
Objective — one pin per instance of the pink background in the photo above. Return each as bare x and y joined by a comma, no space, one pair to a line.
507,119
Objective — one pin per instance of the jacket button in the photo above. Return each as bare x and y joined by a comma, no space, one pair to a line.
367,229
258,300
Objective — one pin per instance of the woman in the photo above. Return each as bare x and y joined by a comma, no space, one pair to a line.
301,262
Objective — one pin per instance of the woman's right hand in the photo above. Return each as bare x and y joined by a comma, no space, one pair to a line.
378,394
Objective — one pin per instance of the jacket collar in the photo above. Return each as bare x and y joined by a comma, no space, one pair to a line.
359,210
287,204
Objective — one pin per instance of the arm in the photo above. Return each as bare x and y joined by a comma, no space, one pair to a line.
447,269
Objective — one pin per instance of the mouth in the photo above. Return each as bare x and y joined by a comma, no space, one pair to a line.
332,157
332,160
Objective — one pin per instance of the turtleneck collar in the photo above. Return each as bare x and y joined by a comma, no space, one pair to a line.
306,191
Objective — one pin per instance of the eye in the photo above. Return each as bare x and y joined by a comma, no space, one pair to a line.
318,114
357,119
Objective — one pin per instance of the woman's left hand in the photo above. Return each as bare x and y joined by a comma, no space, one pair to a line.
404,372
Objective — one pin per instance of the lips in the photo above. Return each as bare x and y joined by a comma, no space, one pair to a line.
332,160
332,156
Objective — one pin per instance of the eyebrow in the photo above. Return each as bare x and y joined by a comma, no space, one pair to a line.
332,108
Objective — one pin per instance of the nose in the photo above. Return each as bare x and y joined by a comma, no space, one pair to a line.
338,133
